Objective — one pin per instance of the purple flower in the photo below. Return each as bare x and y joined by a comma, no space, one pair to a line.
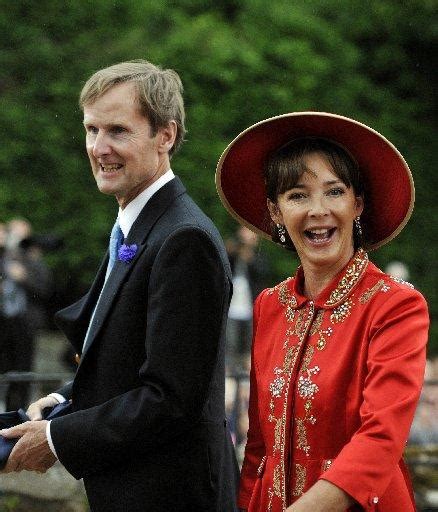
127,252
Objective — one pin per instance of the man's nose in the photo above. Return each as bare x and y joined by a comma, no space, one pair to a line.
101,145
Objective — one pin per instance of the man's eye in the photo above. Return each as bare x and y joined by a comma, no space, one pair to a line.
91,129
118,129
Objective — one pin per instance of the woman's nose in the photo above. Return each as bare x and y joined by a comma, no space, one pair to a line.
318,207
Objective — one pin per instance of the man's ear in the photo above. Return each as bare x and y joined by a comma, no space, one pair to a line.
275,212
166,137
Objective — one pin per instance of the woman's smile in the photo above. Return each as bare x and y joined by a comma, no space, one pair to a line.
318,214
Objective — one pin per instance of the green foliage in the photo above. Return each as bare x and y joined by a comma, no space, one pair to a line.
240,61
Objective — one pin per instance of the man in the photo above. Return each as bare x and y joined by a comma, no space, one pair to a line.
148,431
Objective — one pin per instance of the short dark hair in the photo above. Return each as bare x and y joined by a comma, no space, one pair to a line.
285,166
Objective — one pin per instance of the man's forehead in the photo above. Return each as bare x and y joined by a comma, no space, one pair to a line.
118,102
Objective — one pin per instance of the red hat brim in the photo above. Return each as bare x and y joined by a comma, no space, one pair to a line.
389,187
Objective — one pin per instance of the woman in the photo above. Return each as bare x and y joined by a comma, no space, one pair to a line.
338,352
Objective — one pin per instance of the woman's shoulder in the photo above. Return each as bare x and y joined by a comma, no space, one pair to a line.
278,293
378,284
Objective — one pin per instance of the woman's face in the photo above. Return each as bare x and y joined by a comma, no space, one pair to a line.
318,214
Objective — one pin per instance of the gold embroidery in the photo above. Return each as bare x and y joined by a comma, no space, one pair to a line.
323,335
307,388
341,312
277,481
289,358
326,464
277,435
290,313
284,295
278,286
316,324
279,388
351,276
367,294
307,357
303,321
261,467
275,490
302,443
401,281
300,479
276,387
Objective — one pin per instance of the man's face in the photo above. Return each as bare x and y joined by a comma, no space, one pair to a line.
125,158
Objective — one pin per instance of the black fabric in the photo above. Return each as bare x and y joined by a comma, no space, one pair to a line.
148,430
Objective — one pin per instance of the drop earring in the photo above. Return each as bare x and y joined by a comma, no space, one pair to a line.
358,226
281,230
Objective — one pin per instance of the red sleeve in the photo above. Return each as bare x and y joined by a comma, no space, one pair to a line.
396,360
255,447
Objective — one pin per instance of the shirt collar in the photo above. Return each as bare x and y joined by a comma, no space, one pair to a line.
129,214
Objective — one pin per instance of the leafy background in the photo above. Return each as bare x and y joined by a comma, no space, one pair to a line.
240,62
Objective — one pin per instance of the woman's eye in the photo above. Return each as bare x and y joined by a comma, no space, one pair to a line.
295,196
336,191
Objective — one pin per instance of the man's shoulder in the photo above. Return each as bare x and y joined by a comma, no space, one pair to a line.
184,212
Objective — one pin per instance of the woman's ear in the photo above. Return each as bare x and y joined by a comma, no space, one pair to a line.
359,205
275,212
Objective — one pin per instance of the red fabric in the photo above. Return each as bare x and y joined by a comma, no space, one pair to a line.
334,386
389,187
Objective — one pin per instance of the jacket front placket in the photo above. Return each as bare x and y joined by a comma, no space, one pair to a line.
299,318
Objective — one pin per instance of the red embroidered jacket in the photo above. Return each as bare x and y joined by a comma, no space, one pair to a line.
334,386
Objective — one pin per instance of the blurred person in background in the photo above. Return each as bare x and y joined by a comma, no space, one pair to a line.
26,284
249,273
338,353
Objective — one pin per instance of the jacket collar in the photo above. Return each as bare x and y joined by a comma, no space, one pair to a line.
339,289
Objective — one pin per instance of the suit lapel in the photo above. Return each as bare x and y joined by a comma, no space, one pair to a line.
74,319
138,234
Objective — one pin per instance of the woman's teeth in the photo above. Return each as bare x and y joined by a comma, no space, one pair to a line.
319,235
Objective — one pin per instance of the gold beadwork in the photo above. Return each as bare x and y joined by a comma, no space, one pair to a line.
368,294
326,464
341,312
307,357
300,479
351,277
261,466
401,281
316,324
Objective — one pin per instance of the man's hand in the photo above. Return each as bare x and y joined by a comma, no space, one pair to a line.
32,451
35,409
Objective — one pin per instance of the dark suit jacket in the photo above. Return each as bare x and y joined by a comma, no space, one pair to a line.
149,432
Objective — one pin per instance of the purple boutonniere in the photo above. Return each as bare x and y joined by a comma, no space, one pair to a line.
127,252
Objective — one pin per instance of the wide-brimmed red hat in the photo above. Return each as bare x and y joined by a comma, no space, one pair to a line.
388,181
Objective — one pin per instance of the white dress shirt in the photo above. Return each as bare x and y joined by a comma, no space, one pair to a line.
126,218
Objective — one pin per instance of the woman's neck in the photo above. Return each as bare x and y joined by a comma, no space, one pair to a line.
317,278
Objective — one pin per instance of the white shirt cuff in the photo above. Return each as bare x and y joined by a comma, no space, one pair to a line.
58,397
49,439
